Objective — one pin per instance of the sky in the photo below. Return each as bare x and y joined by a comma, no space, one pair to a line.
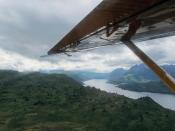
29,28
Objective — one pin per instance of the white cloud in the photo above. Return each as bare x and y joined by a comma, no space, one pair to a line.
14,61
39,23
29,28
70,10
160,50
100,60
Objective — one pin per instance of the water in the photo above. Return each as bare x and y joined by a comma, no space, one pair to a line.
165,100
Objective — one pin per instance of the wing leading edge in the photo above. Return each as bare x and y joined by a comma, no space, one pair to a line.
124,21
113,16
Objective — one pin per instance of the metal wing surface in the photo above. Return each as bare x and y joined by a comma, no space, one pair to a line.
109,21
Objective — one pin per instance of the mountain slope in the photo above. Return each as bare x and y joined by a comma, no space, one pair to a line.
141,78
41,102
80,75
117,74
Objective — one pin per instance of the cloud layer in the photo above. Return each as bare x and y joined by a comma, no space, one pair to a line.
31,27
28,29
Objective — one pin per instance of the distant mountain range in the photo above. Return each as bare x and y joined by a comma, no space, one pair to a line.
80,75
140,78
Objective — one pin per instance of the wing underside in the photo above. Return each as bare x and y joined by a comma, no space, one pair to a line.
109,21
128,21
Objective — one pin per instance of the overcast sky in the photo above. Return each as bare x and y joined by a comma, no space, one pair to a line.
29,28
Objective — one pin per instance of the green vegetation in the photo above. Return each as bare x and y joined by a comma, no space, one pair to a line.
41,102
79,75
151,86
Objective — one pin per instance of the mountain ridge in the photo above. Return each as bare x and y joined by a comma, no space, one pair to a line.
141,78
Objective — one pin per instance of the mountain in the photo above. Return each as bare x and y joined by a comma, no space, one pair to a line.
141,78
80,75
88,75
6,75
117,74
56,102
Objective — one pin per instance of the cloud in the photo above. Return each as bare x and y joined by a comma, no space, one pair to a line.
99,60
160,50
30,28
92,60
37,23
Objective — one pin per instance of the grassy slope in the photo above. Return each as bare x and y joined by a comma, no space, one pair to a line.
39,102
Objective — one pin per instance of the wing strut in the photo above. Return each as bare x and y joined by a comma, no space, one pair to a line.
126,39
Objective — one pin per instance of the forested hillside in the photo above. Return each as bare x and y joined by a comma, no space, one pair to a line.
42,102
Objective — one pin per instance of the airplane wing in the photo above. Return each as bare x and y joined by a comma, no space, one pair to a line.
110,19
124,21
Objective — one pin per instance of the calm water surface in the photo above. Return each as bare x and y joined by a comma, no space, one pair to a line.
165,100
